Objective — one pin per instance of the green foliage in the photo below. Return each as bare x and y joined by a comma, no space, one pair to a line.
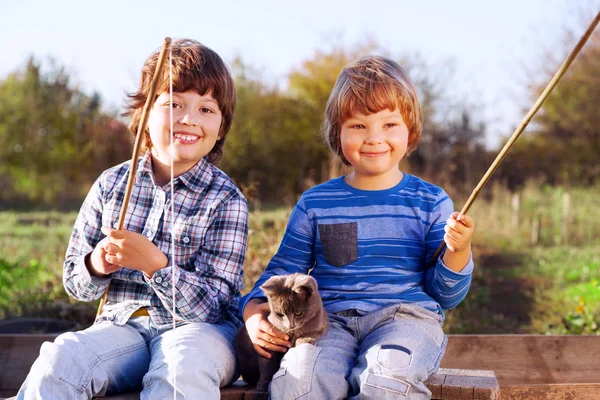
516,288
581,322
562,144
52,137
558,214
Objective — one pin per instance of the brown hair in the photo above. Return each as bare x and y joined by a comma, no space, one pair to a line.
370,85
195,67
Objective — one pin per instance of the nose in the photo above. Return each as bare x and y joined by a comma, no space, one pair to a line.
189,118
374,136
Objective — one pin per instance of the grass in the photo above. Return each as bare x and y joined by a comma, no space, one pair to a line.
552,287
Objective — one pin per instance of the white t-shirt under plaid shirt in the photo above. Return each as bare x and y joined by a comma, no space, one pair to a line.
210,229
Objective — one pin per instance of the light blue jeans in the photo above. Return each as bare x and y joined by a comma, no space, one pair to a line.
197,358
385,354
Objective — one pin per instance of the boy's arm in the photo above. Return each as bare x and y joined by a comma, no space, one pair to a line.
448,286
203,294
77,279
295,253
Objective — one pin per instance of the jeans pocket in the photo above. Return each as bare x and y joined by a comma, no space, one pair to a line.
340,243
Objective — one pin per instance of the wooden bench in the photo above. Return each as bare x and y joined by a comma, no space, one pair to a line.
527,367
18,352
448,384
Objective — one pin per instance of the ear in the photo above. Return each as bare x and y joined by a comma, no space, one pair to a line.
272,285
304,285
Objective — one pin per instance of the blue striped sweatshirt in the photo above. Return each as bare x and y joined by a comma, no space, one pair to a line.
370,249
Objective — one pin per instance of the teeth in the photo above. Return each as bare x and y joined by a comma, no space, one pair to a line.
186,137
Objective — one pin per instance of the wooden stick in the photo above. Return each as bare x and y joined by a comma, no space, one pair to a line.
565,65
136,148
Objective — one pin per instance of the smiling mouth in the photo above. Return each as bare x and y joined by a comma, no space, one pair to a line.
186,138
373,155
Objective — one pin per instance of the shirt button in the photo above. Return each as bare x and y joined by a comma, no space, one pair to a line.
186,240
149,234
165,284
158,279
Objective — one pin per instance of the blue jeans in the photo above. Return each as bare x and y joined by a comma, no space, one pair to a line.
197,358
386,354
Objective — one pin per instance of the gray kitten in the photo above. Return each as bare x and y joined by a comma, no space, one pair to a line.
297,310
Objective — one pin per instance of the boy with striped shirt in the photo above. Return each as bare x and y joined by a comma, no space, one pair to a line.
368,238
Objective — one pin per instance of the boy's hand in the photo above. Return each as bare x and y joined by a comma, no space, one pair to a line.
458,232
98,265
262,333
134,251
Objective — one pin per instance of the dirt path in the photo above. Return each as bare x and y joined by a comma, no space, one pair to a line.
500,299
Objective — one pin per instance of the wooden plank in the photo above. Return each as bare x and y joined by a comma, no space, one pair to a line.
515,359
572,391
254,394
236,391
527,359
460,384
17,354
434,384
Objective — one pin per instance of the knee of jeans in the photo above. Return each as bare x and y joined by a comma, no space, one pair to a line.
295,377
391,372
67,360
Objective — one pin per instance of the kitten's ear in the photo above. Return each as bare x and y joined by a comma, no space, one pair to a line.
304,285
272,286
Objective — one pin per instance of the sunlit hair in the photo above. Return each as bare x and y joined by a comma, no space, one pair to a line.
195,67
367,86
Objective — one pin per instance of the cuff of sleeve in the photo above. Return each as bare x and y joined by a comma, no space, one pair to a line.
93,282
164,278
446,272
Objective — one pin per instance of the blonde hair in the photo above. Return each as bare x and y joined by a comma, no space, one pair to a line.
195,67
370,85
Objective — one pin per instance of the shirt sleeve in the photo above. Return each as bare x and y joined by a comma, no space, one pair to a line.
77,280
444,285
204,294
295,253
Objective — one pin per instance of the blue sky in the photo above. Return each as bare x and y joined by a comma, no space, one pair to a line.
104,44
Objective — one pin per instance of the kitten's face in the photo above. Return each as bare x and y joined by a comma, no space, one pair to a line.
290,313
293,300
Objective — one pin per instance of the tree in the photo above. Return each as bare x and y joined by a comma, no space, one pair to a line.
565,137
48,133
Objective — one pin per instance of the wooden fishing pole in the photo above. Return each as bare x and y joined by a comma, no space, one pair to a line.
565,65
136,147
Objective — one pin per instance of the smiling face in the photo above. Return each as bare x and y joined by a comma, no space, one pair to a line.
196,123
374,144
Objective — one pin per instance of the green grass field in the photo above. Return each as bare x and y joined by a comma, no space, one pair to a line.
550,287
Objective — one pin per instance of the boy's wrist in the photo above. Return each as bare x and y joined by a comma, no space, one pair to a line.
457,260
87,261
252,308
161,263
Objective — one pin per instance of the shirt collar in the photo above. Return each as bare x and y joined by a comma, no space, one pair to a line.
195,178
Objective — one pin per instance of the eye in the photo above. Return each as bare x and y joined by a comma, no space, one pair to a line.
357,126
390,125
207,110
297,313
280,315
175,105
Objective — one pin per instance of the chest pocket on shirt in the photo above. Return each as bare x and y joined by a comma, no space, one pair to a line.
190,233
340,243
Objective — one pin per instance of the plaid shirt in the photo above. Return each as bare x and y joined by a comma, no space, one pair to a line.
210,229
